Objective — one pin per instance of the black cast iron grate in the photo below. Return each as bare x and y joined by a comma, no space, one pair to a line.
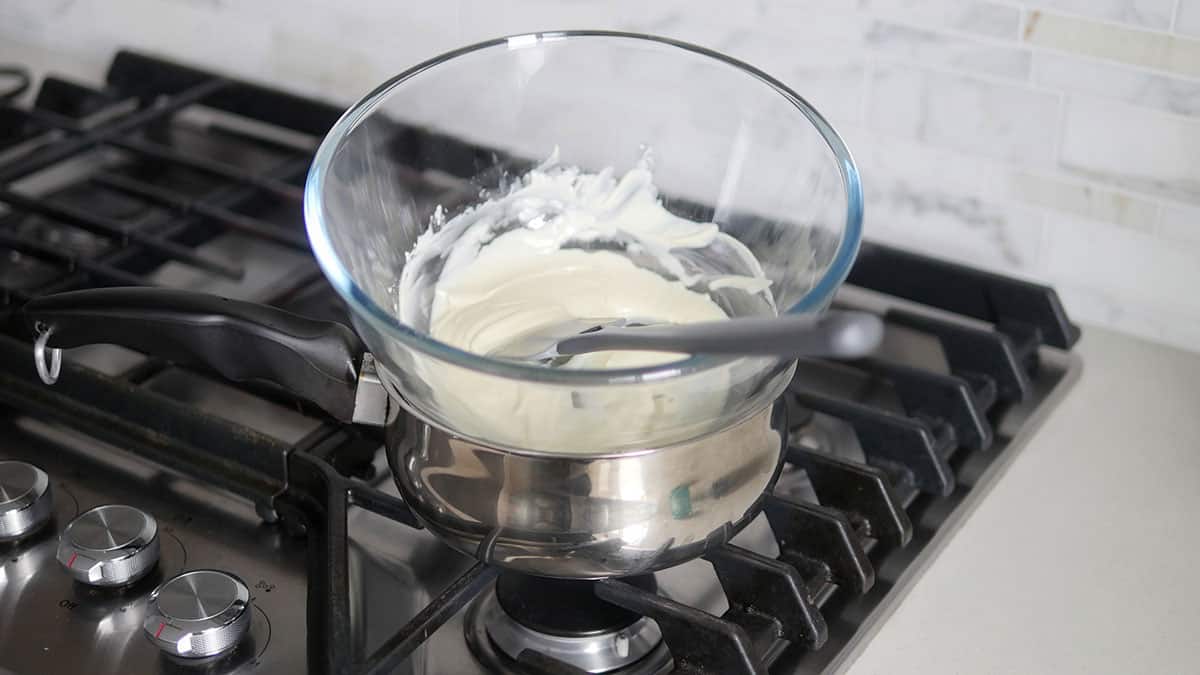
144,193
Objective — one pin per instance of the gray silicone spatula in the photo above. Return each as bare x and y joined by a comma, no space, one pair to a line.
838,334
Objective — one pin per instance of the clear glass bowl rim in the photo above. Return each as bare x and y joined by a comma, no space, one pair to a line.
390,327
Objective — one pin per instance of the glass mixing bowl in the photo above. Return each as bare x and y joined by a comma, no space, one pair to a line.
730,145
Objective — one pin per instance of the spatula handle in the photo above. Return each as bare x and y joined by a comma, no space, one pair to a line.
841,334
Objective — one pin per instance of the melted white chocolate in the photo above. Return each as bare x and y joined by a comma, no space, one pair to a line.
563,246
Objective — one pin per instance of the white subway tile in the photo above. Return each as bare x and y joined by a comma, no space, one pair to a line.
1112,310
1144,13
27,20
49,60
1133,314
988,118
998,236
1137,266
924,47
183,31
923,165
945,203
1182,332
1138,87
783,17
311,65
823,71
831,79
799,20
1180,223
307,44
1083,199
709,22
1091,38
1133,148
1187,18
484,19
982,18
697,29
928,168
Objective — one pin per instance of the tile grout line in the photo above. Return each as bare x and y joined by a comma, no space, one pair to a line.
1020,45
1011,166
1162,39
1181,118
952,31
1171,202
1036,64
1115,23
1020,81
1059,175
864,107
1160,215
1091,189
1034,69
1044,243
1049,176
1149,70
1133,68
1052,172
999,80
1060,129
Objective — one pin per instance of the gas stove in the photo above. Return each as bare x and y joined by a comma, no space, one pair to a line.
156,519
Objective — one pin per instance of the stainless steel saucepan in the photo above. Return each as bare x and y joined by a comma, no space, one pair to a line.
582,492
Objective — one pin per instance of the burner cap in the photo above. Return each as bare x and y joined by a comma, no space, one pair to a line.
564,607
581,630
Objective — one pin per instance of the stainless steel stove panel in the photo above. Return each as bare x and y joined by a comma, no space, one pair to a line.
395,570
59,625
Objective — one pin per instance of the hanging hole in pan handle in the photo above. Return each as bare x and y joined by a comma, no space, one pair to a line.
48,371
14,80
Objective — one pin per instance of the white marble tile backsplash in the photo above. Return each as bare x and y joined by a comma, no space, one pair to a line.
1136,86
1181,223
993,19
1132,148
1187,17
1143,13
1079,198
950,110
904,43
1149,49
1109,259
1057,140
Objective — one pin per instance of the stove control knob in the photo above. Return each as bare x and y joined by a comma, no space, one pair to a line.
111,545
25,502
198,613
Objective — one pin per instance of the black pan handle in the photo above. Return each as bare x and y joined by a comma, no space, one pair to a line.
243,341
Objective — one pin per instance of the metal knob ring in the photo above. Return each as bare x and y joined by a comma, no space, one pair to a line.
48,372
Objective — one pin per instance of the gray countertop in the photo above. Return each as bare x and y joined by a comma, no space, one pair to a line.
1080,559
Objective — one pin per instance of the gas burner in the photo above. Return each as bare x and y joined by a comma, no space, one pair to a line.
524,618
